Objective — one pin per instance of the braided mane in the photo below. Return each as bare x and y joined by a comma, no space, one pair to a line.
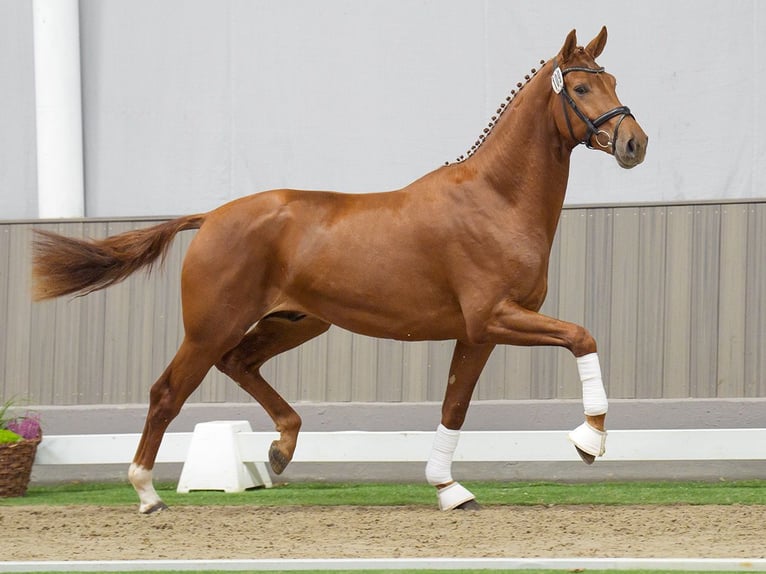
495,118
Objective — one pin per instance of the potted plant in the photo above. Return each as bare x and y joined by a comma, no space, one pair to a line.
19,437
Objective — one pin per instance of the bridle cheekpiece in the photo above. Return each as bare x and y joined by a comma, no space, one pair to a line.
557,82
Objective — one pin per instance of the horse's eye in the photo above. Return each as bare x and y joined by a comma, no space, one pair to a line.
581,90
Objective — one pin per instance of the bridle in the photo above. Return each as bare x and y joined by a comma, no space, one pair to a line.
592,126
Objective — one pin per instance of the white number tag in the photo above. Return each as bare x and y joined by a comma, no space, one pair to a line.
557,80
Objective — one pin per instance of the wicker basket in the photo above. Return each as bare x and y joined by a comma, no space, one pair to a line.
16,460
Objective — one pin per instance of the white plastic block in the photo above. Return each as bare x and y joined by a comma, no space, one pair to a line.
214,461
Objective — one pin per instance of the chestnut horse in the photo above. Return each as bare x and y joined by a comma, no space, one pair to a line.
461,253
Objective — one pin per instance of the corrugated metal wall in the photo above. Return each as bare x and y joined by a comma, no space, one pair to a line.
675,296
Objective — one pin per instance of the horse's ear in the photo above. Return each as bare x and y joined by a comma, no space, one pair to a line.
570,44
597,44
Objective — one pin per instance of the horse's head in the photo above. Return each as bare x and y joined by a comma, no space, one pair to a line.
586,108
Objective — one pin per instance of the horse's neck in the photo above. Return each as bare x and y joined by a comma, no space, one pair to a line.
524,158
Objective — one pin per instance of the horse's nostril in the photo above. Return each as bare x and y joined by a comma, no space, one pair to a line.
631,147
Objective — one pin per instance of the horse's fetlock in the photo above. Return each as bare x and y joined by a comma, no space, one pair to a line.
290,423
597,421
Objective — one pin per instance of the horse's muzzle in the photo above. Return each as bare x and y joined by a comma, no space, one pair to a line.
630,148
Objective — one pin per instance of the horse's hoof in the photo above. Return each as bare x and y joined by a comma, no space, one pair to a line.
277,460
589,442
157,507
586,458
455,495
468,505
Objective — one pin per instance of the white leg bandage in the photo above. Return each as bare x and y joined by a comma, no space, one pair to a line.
593,393
439,467
439,470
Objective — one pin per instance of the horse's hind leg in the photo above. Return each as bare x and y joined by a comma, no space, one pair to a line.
182,376
467,364
272,335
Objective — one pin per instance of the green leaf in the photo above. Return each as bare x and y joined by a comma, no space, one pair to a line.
7,436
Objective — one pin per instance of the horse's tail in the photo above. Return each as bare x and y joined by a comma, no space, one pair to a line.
66,265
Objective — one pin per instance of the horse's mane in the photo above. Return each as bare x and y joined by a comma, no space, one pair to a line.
501,109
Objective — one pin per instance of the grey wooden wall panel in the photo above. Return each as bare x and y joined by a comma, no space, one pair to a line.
15,316
651,294
732,304
41,376
364,369
704,300
624,302
755,326
518,372
23,325
389,371
339,361
5,333
90,357
675,296
677,304
313,372
415,372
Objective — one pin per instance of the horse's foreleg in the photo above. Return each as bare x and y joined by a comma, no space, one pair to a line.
182,376
467,364
515,325
271,336
590,437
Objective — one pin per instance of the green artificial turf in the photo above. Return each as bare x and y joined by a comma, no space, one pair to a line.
367,494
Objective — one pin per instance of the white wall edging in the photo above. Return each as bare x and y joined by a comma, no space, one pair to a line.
410,446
